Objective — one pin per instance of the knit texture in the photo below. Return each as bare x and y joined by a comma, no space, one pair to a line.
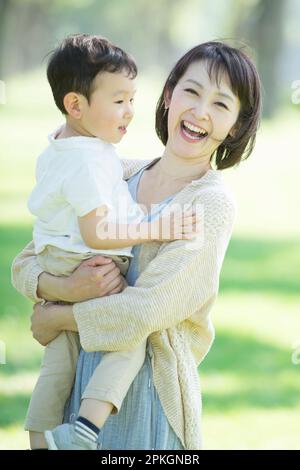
170,303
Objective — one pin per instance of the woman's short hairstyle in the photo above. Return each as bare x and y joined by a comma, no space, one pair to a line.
245,83
76,62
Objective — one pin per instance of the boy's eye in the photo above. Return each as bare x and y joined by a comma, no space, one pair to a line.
222,105
119,102
132,100
190,90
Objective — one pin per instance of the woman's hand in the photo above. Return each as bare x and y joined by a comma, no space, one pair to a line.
48,320
43,325
95,277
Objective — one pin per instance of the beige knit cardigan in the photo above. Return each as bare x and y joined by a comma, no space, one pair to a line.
170,303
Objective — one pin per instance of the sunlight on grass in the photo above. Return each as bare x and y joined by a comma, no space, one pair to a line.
272,318
13,438
256,429
22,352
22,382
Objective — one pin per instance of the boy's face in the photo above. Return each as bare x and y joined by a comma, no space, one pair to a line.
111,106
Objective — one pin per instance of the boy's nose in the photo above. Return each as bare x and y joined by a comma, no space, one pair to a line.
129,114
129,111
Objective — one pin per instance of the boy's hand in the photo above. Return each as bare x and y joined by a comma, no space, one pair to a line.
177,225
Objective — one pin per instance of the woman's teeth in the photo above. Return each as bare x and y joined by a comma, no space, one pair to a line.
192,131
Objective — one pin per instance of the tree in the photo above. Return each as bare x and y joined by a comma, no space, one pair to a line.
261,25
4,7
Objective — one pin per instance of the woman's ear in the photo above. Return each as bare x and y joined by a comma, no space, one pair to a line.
167,98
233,131
72,104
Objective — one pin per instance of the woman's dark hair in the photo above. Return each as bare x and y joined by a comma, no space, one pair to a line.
76,62
245,83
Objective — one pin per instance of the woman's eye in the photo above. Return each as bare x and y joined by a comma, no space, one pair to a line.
190,90
222,105
119,102
132,100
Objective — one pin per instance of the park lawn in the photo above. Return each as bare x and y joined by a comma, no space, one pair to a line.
250,385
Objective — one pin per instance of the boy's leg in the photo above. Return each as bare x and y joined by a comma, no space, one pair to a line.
94,409
109,384
105,392
37,440
93,412
53,387
39,417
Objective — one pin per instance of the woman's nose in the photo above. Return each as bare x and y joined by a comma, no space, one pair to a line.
201,112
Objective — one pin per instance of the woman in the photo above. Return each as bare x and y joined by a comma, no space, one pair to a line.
208,113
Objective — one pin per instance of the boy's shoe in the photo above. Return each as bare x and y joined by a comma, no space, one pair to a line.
64,437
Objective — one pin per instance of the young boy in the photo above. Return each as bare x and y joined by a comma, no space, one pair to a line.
83,207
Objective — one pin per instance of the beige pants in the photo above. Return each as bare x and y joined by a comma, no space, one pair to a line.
110,380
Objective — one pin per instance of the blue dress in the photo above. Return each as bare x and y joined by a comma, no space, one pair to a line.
141,422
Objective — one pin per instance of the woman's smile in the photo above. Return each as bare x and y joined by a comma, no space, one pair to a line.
192,133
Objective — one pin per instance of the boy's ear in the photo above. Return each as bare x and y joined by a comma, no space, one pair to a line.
72,104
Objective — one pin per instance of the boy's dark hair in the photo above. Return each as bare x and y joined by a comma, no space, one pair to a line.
76,62
221,58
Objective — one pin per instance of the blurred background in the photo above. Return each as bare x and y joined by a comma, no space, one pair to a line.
251,377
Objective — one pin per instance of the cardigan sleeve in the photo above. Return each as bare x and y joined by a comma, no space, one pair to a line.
176,284
25,271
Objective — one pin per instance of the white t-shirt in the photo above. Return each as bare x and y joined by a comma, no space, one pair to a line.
73,177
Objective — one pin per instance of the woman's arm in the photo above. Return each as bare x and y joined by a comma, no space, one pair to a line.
180,280
25,272
48,320
95,277
172,288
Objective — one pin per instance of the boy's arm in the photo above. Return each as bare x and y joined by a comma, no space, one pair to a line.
102,235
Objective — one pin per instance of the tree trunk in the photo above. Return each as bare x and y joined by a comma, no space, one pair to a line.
261,27
268,35
4,6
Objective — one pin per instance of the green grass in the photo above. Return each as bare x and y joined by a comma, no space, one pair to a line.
251,391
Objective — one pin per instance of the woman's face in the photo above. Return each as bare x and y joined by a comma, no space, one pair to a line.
201,114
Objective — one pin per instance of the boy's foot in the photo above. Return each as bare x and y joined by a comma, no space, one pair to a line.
64,437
